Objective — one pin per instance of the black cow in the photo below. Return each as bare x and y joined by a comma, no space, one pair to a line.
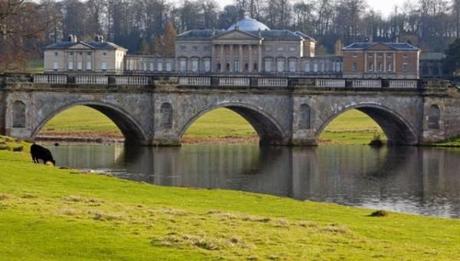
41,153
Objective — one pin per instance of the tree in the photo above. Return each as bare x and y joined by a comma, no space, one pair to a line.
164,45
452,61
22,27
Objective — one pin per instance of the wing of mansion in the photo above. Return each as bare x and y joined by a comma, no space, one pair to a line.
248,47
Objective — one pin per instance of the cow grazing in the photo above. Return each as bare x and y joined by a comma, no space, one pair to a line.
41,153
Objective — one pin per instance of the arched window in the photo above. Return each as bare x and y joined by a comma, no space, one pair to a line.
19,114
434,116
305,117
166,115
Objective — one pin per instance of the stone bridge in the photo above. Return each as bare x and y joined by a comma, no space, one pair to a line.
157,110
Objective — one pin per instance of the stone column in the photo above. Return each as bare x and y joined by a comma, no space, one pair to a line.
250,58
384,62
375,62
240,58
232,59
222,58
259,59
213,58
365,62
394,63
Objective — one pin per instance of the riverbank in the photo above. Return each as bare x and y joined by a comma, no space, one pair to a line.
50,213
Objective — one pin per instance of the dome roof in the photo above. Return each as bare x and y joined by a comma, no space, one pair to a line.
248,25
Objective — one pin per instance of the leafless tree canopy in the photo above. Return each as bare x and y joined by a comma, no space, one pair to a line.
147,26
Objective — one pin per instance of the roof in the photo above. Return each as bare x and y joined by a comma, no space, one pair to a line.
97,45
367,45
270,35
203,34
248,25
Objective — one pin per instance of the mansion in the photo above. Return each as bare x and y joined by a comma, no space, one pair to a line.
248,47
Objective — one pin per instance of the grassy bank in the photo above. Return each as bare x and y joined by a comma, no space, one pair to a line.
53,214
352,127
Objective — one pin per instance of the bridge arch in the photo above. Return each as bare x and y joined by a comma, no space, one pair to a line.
131,129
398,130
268,128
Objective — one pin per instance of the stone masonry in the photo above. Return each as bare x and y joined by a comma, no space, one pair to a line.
160,111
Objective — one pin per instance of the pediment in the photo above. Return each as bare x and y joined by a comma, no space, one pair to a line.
79,46
379,47
236,35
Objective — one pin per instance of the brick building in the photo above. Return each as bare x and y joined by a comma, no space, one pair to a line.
381,60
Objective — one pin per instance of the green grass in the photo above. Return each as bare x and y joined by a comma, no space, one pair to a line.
52,214
351,127
80,119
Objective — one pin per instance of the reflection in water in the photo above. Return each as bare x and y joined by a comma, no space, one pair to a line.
408,179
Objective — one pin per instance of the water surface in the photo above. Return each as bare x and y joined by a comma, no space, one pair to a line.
406,179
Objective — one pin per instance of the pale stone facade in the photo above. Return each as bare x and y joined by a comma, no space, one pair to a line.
84,57
246,48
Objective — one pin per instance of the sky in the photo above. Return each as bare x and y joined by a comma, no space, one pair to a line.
384,6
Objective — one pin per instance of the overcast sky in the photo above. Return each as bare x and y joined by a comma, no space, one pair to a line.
383,6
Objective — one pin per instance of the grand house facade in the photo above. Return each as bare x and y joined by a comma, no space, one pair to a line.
248,47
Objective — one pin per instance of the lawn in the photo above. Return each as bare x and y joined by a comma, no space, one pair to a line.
352,127
48,213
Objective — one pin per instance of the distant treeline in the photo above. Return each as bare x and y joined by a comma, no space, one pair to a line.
138,24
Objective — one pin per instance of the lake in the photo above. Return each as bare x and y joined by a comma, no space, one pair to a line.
406,179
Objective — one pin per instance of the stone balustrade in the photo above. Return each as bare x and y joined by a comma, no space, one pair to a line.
50,79
330,83
366,83
272,82
131,80
403,84
195,81
92,79
234,82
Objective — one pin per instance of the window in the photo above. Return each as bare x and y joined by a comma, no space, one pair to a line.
160,66
88,66
380,67
207,65
405,67
280,65
280,49
236,65
55,66
315,67
195,65
151,67
390,67
255,68
104,66
292,66
144,66
104,53
292,49
183,65
70,66
168,67
307,67
219,67
55,53
79,66
268,65
354,67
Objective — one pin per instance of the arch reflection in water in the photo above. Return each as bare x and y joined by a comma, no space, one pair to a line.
408,179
